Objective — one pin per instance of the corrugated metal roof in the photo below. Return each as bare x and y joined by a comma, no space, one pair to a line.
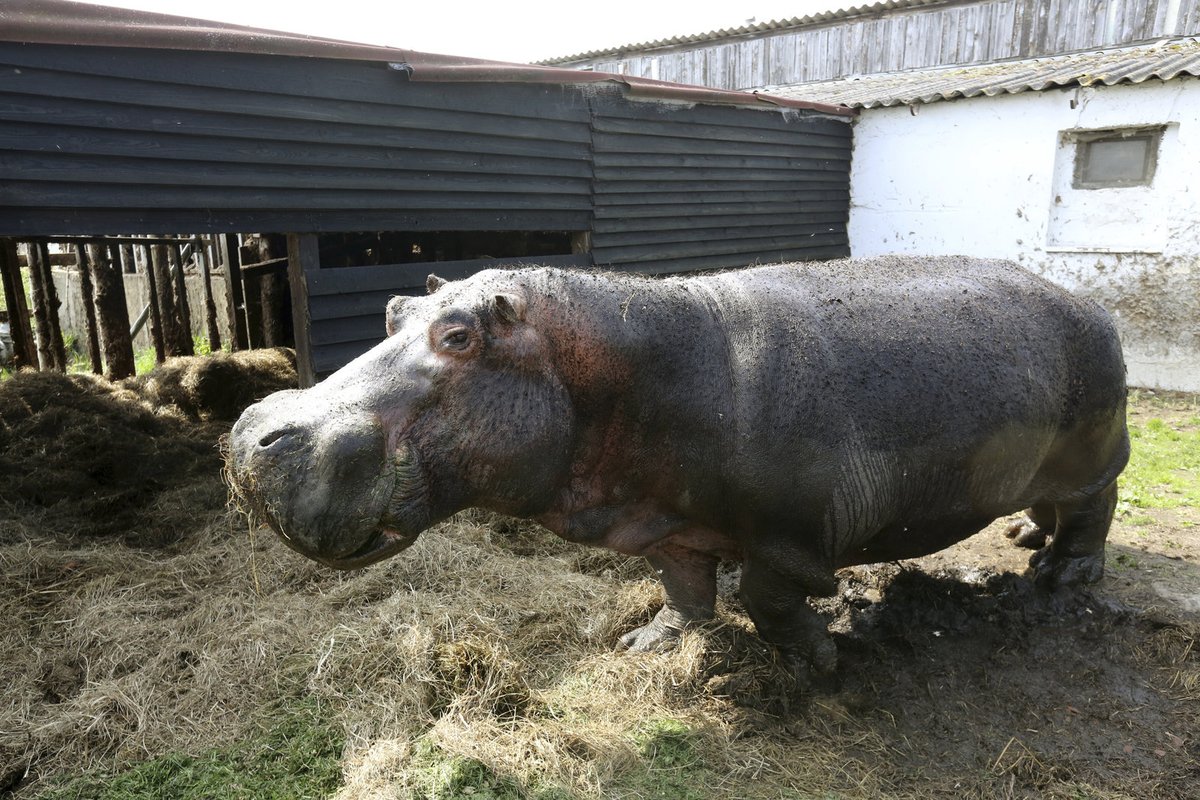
1164,60
770,26
70,23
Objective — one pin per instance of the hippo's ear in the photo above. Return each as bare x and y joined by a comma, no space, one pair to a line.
391,316
509,307
433,283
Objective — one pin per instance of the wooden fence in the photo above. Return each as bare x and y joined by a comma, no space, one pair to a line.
111,288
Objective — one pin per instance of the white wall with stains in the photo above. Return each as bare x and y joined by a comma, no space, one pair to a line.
991,176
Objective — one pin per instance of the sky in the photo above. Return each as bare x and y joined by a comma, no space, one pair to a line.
516,30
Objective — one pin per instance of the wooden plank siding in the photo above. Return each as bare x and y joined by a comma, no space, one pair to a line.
346,304
681,188
190,140
890,40
98,140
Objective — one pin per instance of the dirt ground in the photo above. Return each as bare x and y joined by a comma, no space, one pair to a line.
490,643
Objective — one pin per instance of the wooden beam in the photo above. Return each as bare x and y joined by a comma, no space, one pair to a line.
152,295
303,259
88,298
235,300
186,346
108,282
211,325
24,348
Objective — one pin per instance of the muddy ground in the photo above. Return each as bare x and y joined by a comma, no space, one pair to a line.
489,643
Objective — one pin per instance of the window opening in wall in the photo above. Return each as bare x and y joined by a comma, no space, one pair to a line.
1115,158
415,247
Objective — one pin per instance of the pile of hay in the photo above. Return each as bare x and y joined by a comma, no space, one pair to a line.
217,387
81,456
480,662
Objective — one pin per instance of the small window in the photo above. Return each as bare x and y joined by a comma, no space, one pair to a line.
1116,158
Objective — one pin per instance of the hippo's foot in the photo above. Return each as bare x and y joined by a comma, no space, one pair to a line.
1053,571
813,663
1027,534
660,634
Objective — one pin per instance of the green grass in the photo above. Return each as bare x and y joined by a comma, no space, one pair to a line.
671,768
296,755
143,360
437,775
1164,466
674,767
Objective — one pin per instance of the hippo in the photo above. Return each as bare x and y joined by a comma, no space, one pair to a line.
797,418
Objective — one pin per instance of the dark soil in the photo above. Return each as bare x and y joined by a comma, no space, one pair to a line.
971,682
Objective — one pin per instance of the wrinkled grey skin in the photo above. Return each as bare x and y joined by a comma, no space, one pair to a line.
798,418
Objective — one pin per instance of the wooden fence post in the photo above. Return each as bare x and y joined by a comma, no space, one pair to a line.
156,333
211,324
83,263
45,310
160,265
303,258
57,347
128,264
234,298
111,311
24,348
186,346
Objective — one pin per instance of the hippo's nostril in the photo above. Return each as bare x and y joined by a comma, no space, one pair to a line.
275,436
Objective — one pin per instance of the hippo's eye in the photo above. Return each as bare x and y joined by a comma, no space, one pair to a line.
456,339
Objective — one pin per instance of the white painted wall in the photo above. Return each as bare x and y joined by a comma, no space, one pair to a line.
991,176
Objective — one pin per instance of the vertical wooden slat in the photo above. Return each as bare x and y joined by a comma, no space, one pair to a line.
51,352
88,298
128,264
57,345
234,296
211,325
164,287
303,258
24,349
182,308
111,311
156,332
41,318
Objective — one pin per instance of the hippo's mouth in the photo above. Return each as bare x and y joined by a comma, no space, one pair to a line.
384,544
403,519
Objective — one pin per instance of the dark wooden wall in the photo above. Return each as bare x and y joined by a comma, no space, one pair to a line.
212,142
701,187
102,140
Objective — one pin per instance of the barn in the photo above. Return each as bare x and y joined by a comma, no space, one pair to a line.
380,166
1094,189
1062,135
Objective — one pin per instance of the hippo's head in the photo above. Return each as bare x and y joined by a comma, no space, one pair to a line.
460,406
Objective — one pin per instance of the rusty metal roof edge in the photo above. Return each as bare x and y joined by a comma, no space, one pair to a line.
448,69
62,22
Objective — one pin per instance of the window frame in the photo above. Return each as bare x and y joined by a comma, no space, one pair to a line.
1082,139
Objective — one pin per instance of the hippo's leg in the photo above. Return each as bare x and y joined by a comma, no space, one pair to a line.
689,579
1075,554
1038,526
775,592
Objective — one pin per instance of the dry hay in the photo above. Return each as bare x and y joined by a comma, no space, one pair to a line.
83,456
490,643
461,648
217,386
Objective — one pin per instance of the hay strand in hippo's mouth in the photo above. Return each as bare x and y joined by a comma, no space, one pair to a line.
240,484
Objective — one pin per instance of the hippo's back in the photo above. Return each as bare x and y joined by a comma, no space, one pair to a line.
946,370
